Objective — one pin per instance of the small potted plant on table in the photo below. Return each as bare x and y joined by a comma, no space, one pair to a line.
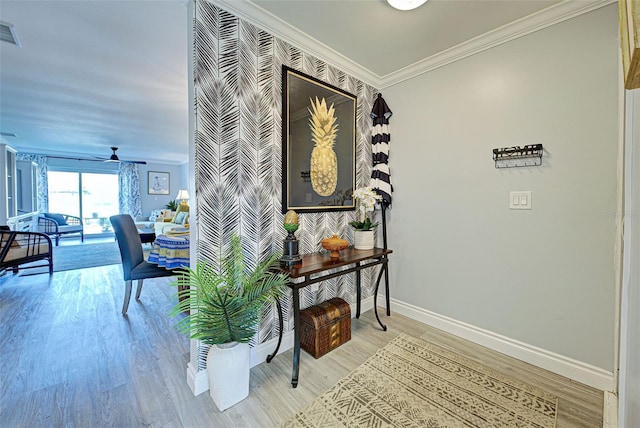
363,237
224,312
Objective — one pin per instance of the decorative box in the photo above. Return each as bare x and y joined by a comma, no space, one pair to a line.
325,326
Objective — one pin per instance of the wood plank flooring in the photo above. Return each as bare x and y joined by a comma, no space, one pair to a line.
69,358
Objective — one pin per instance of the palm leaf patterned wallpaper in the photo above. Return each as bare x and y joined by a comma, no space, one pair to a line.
238,165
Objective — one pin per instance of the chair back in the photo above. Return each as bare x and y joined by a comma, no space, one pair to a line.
129,243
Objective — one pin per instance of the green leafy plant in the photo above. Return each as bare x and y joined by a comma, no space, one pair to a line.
363,225
172,205
225,306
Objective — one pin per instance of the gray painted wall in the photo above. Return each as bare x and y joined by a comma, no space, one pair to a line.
544,277
156,202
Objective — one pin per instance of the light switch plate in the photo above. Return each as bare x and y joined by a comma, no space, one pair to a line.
520,200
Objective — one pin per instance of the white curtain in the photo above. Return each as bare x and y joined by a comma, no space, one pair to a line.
129,200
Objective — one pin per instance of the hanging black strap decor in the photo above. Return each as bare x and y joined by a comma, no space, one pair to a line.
380,139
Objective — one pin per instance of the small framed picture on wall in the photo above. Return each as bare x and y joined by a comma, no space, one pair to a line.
158,183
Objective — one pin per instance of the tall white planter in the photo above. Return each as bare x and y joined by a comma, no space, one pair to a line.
363,239
228,371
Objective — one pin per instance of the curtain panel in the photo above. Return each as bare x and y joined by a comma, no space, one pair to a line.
129,195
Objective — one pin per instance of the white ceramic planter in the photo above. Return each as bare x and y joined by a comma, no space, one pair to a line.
363,239
228,372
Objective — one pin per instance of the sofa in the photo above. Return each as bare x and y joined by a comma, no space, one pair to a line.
179,220
162,221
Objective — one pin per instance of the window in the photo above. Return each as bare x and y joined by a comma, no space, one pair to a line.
90,196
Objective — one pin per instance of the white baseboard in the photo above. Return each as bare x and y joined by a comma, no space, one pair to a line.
259,352
564,366
197,380
610,414
556,363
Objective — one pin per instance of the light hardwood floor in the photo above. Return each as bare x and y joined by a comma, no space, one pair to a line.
69,358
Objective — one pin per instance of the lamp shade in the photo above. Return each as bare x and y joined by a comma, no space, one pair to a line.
183,194
406,4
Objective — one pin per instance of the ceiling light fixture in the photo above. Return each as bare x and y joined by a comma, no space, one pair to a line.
406,4
114,156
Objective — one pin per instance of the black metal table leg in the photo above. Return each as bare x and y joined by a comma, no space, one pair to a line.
296,337
280,324
386,287
375,297
358,291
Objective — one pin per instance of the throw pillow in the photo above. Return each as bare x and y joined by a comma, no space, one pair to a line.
180,218
154,215
58,218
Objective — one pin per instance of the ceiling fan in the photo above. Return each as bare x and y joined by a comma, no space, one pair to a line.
114,158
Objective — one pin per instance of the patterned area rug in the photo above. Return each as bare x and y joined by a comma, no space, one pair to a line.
411,383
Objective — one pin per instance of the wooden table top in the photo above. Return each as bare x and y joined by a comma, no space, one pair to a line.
319,262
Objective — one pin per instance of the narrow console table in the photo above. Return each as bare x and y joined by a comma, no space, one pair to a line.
316,268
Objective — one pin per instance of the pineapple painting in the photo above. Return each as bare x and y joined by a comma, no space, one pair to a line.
324,163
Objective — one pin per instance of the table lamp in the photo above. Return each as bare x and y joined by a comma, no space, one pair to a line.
184,195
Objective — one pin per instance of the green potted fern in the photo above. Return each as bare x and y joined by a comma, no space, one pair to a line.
224,311
172,205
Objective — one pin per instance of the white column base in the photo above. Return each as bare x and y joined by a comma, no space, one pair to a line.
197,380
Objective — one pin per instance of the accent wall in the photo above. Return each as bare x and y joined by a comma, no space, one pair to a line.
238,143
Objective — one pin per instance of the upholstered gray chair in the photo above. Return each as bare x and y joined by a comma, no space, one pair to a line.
133,264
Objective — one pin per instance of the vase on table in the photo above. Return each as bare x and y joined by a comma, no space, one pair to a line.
363,239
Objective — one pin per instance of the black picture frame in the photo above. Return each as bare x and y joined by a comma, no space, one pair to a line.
309,182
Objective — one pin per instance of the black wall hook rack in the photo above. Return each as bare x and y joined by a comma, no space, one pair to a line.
513,157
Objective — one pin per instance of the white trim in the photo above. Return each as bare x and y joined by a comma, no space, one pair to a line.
564,366
261,18
259,353
610,413
197,380
529,24
555,14
628,305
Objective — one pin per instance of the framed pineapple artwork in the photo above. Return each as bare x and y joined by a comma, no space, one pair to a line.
318,144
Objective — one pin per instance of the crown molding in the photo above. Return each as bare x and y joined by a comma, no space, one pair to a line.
529,24
261,18
552,15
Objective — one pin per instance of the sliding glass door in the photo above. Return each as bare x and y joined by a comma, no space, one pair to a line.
88,195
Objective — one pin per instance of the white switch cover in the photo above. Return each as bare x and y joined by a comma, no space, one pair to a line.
520,200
